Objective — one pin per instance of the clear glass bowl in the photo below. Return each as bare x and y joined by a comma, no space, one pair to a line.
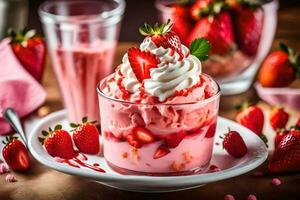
81,38
185,132
235,71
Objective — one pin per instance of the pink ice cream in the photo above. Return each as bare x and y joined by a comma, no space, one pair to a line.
174,112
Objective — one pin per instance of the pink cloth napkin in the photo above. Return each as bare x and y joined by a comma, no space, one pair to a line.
18,89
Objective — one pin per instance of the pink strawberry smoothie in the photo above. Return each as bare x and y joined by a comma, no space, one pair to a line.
161,121
78,70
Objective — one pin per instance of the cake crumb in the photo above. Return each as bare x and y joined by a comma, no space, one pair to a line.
124,155
177,167
187,157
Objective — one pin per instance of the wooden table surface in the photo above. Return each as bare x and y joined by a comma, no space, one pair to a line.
43,183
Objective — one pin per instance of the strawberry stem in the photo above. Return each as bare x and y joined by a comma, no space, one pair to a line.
294,57
157,29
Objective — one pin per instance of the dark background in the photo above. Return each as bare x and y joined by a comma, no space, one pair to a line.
139,11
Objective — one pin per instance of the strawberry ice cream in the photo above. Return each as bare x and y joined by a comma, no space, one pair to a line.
158,111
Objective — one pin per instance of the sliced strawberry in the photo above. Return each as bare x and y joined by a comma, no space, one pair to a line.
110,136
133,141
174,139
161,152
143,135
141,62
211,131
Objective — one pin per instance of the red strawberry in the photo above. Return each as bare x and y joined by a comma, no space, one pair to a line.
161,152
286,157
217,29
143,135
280,68
30,49
251,117
86,136
110,136
200,7
180,16
278,118
279,136
133,141
211,131
234,144
15,154
248,20
141,62
58,142
173,140
162,36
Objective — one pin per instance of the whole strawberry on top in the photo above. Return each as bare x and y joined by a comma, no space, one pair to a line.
234,144
30,49
86,136
162,35
286,157
280,68
248,18
15,154
213,23
58,142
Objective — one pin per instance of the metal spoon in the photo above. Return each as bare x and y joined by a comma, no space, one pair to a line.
13,119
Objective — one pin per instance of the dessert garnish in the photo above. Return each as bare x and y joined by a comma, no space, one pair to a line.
58,143
86,136
234,144
30,49
15,154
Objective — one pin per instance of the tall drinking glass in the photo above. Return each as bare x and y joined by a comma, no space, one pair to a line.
81,38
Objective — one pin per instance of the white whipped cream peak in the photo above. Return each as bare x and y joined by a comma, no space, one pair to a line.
171,75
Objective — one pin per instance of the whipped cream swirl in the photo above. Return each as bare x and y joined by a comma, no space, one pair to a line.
171,75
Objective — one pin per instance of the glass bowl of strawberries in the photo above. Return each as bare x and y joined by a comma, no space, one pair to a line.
241,33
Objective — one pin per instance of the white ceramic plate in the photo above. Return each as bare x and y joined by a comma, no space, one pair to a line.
230,167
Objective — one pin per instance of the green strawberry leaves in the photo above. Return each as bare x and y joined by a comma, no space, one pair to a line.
294,57
200,48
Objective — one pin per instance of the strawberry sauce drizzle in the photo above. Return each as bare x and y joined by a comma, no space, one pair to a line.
78,162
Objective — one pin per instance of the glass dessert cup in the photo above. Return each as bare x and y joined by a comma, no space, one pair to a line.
234,71
81,38
183,134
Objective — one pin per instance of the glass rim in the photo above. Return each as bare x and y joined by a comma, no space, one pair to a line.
101,16
163,8
204,101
